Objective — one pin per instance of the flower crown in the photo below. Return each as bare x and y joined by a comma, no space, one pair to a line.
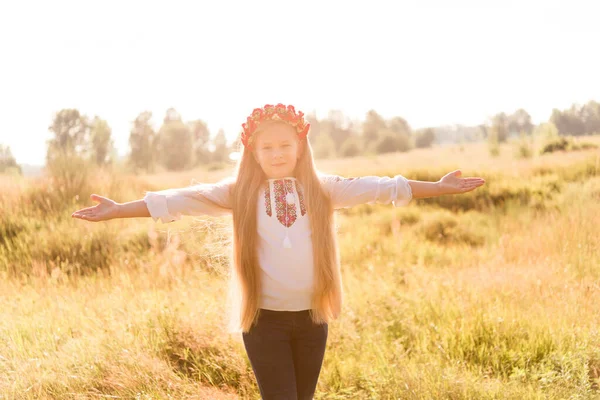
273,113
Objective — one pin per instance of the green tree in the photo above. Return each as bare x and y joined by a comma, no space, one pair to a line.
352,147
399,126
520,121
493,142
324,147
373,127
424,138
337,126
143,143
221,151
547,137
201,140
568,122
175,142
7,161
390,142
546,132
590,116
71,135
500,127
102,145
68,157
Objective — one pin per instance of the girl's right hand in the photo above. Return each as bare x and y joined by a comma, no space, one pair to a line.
105,210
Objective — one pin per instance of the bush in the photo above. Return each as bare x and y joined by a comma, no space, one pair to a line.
576,172
10,228
391,143
351,148
445,228
565,143
558,144
425,138
546,131
36,230
69,180
524,147
493,143
500,191
57,246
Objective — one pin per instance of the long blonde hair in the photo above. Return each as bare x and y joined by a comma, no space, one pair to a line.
245,284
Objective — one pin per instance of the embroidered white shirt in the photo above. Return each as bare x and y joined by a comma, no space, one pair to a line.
285,247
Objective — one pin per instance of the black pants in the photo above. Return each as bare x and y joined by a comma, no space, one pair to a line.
286,351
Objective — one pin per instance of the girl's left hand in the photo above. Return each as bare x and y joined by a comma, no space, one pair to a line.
452,183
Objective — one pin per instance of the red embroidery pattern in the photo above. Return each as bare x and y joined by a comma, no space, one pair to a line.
282,187
268,200
301,197
286,213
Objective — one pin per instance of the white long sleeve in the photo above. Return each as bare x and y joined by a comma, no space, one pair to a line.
170,204
348,192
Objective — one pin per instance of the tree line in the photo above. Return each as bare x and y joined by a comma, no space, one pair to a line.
177,144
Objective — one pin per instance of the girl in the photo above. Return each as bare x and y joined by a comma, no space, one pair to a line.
285,266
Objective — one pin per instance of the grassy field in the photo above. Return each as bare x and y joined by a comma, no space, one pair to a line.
488,295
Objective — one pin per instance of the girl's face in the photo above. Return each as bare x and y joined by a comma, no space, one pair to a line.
277,149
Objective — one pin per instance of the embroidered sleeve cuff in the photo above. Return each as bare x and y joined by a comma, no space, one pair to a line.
157,206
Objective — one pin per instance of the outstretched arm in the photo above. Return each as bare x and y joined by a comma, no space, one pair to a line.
450,183
165,205
349,192
107,209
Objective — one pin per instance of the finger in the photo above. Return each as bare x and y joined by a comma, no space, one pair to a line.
87,213
473,179
99,198
86,217
470,187
473,184
85,209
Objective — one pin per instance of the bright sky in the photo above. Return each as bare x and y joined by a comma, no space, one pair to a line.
432,62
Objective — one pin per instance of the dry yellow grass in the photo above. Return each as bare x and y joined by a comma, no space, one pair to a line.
501,304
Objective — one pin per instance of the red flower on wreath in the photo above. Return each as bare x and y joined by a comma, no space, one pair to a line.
269,112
